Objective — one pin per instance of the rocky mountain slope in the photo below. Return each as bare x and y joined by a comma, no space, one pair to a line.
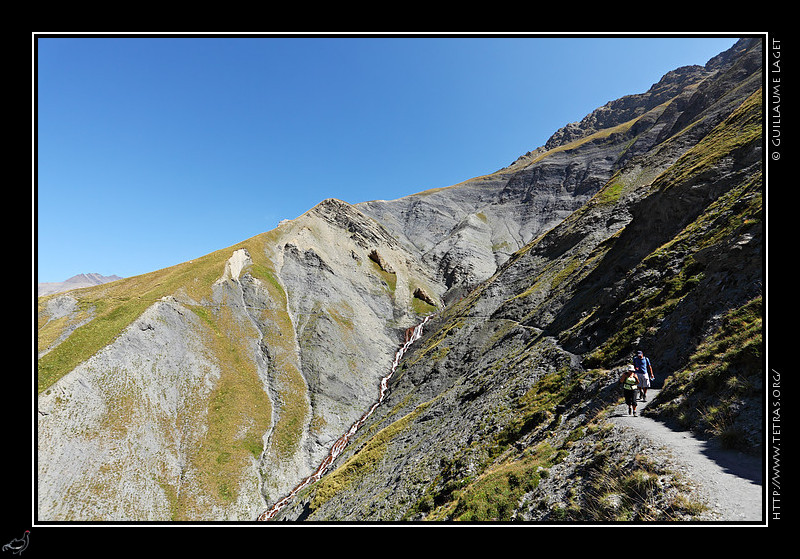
187,393
499,413
208,390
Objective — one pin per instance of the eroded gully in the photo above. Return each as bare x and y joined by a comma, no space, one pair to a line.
412,335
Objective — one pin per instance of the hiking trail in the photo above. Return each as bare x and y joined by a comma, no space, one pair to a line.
729,482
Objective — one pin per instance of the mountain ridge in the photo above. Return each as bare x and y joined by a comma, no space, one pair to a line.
517,439
234,373
75,282
525,436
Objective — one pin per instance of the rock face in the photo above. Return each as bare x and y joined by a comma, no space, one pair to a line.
466,231
240,372
116,436
214,387
511,383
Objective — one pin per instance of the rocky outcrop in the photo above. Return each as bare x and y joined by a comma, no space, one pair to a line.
515,378
118,437
466,231
207,391
239,373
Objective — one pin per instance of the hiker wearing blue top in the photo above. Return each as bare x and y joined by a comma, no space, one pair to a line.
644,370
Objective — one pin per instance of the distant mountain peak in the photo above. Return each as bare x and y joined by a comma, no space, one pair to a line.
75,282
232,378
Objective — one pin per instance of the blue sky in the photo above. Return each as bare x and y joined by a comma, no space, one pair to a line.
152,151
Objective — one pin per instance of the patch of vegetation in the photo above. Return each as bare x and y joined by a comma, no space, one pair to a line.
266,273
568,272
732,214
491,495
610,193
742,127
723,373
238,412
504,475
536,407
634,490
389,278
116,305
363,461
495,494
421,307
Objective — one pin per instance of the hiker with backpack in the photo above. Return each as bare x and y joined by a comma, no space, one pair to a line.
644,370
630,384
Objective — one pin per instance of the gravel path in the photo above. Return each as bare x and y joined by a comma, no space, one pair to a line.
728,481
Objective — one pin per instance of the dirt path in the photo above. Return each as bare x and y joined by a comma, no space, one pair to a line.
729,482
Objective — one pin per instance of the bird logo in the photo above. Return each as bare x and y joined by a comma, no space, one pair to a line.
18,545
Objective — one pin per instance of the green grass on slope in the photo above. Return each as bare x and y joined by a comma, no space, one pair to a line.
728,216
114,307
493,492
238,411
725,371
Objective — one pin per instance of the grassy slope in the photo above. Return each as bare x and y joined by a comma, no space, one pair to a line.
724,367
238,401
493,493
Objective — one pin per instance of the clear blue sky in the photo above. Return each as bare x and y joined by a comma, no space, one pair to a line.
153,151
